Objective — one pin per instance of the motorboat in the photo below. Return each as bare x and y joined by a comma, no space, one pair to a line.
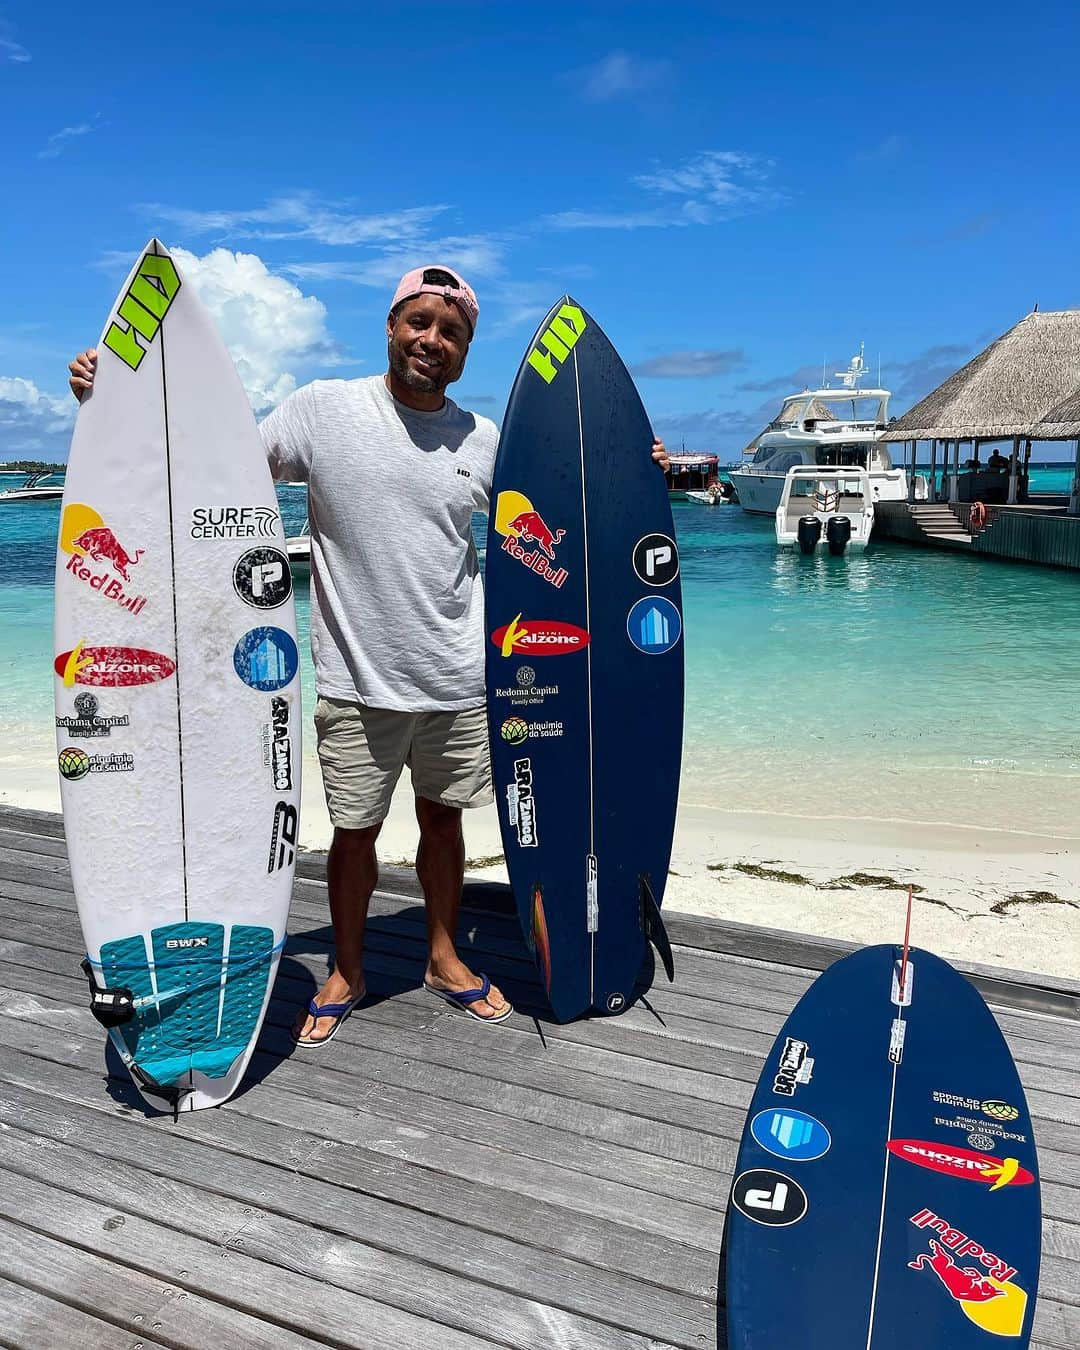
716,494
298,547
828,427
825,508
688,472
35,489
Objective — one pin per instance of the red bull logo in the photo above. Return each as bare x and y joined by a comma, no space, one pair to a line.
520,524
988,1296
88,539
962,1162
539,637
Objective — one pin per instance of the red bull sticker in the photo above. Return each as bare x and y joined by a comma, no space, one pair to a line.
85,536
987,1292
539,637
962,1162
112,667
521,525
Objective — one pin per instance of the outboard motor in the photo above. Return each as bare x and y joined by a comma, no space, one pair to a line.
838,534
809,533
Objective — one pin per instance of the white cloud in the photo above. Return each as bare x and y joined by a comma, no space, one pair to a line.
471,255
616,74
33,424
266,321
714,185
690,364
10,50
59,139
300,215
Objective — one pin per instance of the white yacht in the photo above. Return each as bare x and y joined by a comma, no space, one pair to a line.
829,427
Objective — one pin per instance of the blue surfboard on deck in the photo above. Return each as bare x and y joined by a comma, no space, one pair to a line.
886,1191
584,666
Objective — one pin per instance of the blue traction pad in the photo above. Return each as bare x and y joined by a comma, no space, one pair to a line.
212,1006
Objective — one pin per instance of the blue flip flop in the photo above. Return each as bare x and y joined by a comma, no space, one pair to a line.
463,999
338,1011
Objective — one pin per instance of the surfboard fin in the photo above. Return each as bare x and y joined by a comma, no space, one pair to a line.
652,925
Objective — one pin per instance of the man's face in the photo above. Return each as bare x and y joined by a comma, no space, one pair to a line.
428,343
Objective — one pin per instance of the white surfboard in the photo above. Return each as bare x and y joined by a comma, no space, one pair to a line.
177,696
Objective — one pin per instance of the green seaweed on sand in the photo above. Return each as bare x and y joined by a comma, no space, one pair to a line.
853,879
1030,898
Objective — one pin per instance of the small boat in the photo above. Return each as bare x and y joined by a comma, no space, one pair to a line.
688,472
35,489
831,508
298,547
717,494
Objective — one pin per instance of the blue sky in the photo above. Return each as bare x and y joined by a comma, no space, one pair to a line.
735,194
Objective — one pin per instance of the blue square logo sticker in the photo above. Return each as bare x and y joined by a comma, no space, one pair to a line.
654,625
791,1134
266,659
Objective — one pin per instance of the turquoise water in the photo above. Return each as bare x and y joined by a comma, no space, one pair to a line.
904,683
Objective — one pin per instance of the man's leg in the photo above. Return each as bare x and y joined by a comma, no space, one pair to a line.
440,865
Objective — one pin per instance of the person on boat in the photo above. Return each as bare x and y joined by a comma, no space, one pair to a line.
997,460
395,470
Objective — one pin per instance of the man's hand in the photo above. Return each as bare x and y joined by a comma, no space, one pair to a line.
83,369
659,451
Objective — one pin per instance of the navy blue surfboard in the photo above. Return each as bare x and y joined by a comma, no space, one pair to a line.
886,1192
584,666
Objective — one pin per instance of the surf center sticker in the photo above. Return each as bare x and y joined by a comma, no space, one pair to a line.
266,659
521,525
656,560
654,625
539,637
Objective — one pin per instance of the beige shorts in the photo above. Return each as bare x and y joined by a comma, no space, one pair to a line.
362,752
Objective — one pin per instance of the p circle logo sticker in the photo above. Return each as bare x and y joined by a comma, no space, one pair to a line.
262,578
790,1134
616,1003
656,560
769,1197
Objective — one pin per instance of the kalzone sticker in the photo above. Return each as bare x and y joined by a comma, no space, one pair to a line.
539,637
112,667
654,625
266,659
962,1162
791,1134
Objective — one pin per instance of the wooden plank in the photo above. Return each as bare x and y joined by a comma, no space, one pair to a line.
222,1271
25,1313
306,1247
619,1246
166,1307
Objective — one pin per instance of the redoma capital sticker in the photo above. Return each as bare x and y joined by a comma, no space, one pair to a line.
539,637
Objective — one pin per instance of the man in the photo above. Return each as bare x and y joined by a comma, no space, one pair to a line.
394,471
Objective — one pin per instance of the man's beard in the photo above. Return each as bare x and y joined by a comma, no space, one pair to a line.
423,384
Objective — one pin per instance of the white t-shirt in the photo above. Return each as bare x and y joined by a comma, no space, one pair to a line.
397,605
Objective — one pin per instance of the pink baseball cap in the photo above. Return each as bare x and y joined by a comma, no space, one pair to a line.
442,281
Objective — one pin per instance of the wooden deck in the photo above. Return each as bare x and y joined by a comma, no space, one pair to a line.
424,1180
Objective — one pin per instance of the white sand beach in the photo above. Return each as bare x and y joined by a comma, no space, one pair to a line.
994,896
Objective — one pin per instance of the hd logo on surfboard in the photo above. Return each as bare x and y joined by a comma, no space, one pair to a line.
519,523
143,308
85,536
556,342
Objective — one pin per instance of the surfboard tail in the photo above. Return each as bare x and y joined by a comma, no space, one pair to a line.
653,926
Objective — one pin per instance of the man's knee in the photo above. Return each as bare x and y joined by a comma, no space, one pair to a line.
355,843
437,821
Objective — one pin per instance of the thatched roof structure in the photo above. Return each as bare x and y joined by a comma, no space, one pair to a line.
1061,423
1004,390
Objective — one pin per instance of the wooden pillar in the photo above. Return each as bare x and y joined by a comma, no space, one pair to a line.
933,470
954,481
1012,470
1074,498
